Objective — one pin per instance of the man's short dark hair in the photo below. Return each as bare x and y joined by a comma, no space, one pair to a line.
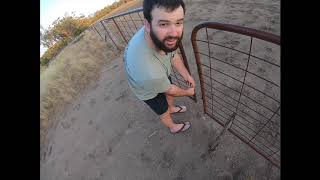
170,5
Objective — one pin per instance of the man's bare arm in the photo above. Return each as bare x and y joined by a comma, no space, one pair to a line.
178,64
176,91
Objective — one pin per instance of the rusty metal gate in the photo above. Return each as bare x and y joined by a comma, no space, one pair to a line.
117,31
239,72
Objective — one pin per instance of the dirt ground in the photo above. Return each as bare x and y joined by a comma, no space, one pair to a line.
109,134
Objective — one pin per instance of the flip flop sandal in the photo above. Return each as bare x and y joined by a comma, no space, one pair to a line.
181,109
182,129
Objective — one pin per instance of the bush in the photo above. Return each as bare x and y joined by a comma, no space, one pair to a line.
53,51
64,30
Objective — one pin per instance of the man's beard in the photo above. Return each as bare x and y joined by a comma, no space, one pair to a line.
161,44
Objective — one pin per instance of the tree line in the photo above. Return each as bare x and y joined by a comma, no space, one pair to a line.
65,29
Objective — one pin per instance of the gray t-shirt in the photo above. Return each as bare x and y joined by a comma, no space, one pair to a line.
147,71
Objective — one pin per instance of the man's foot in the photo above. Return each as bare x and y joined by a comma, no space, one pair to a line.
178,109
181,127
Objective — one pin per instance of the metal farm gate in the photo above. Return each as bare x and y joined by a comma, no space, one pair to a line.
239,72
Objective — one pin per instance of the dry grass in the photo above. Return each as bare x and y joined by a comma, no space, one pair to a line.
71,71
129,5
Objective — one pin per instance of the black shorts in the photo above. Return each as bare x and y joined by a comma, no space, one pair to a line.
159,104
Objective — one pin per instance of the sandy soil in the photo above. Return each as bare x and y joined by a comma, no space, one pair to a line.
109,134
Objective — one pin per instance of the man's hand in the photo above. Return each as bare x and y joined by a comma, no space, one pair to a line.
190,91
190,81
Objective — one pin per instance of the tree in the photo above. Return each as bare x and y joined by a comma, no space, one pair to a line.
64,29
41,33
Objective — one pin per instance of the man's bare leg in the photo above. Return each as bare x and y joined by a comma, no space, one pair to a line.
168,122
171,107
170,103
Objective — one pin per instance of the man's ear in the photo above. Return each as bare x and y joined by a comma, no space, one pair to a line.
146,25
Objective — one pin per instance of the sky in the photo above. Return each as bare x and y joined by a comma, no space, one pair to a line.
50,10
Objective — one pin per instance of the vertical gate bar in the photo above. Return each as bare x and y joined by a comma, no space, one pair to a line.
127,21
109,35
124,26
177,78
120,31
244,78
210,68
185,62
197,57
246,70
140,17
133,22
97,31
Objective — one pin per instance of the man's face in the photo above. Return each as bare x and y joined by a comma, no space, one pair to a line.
166,30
